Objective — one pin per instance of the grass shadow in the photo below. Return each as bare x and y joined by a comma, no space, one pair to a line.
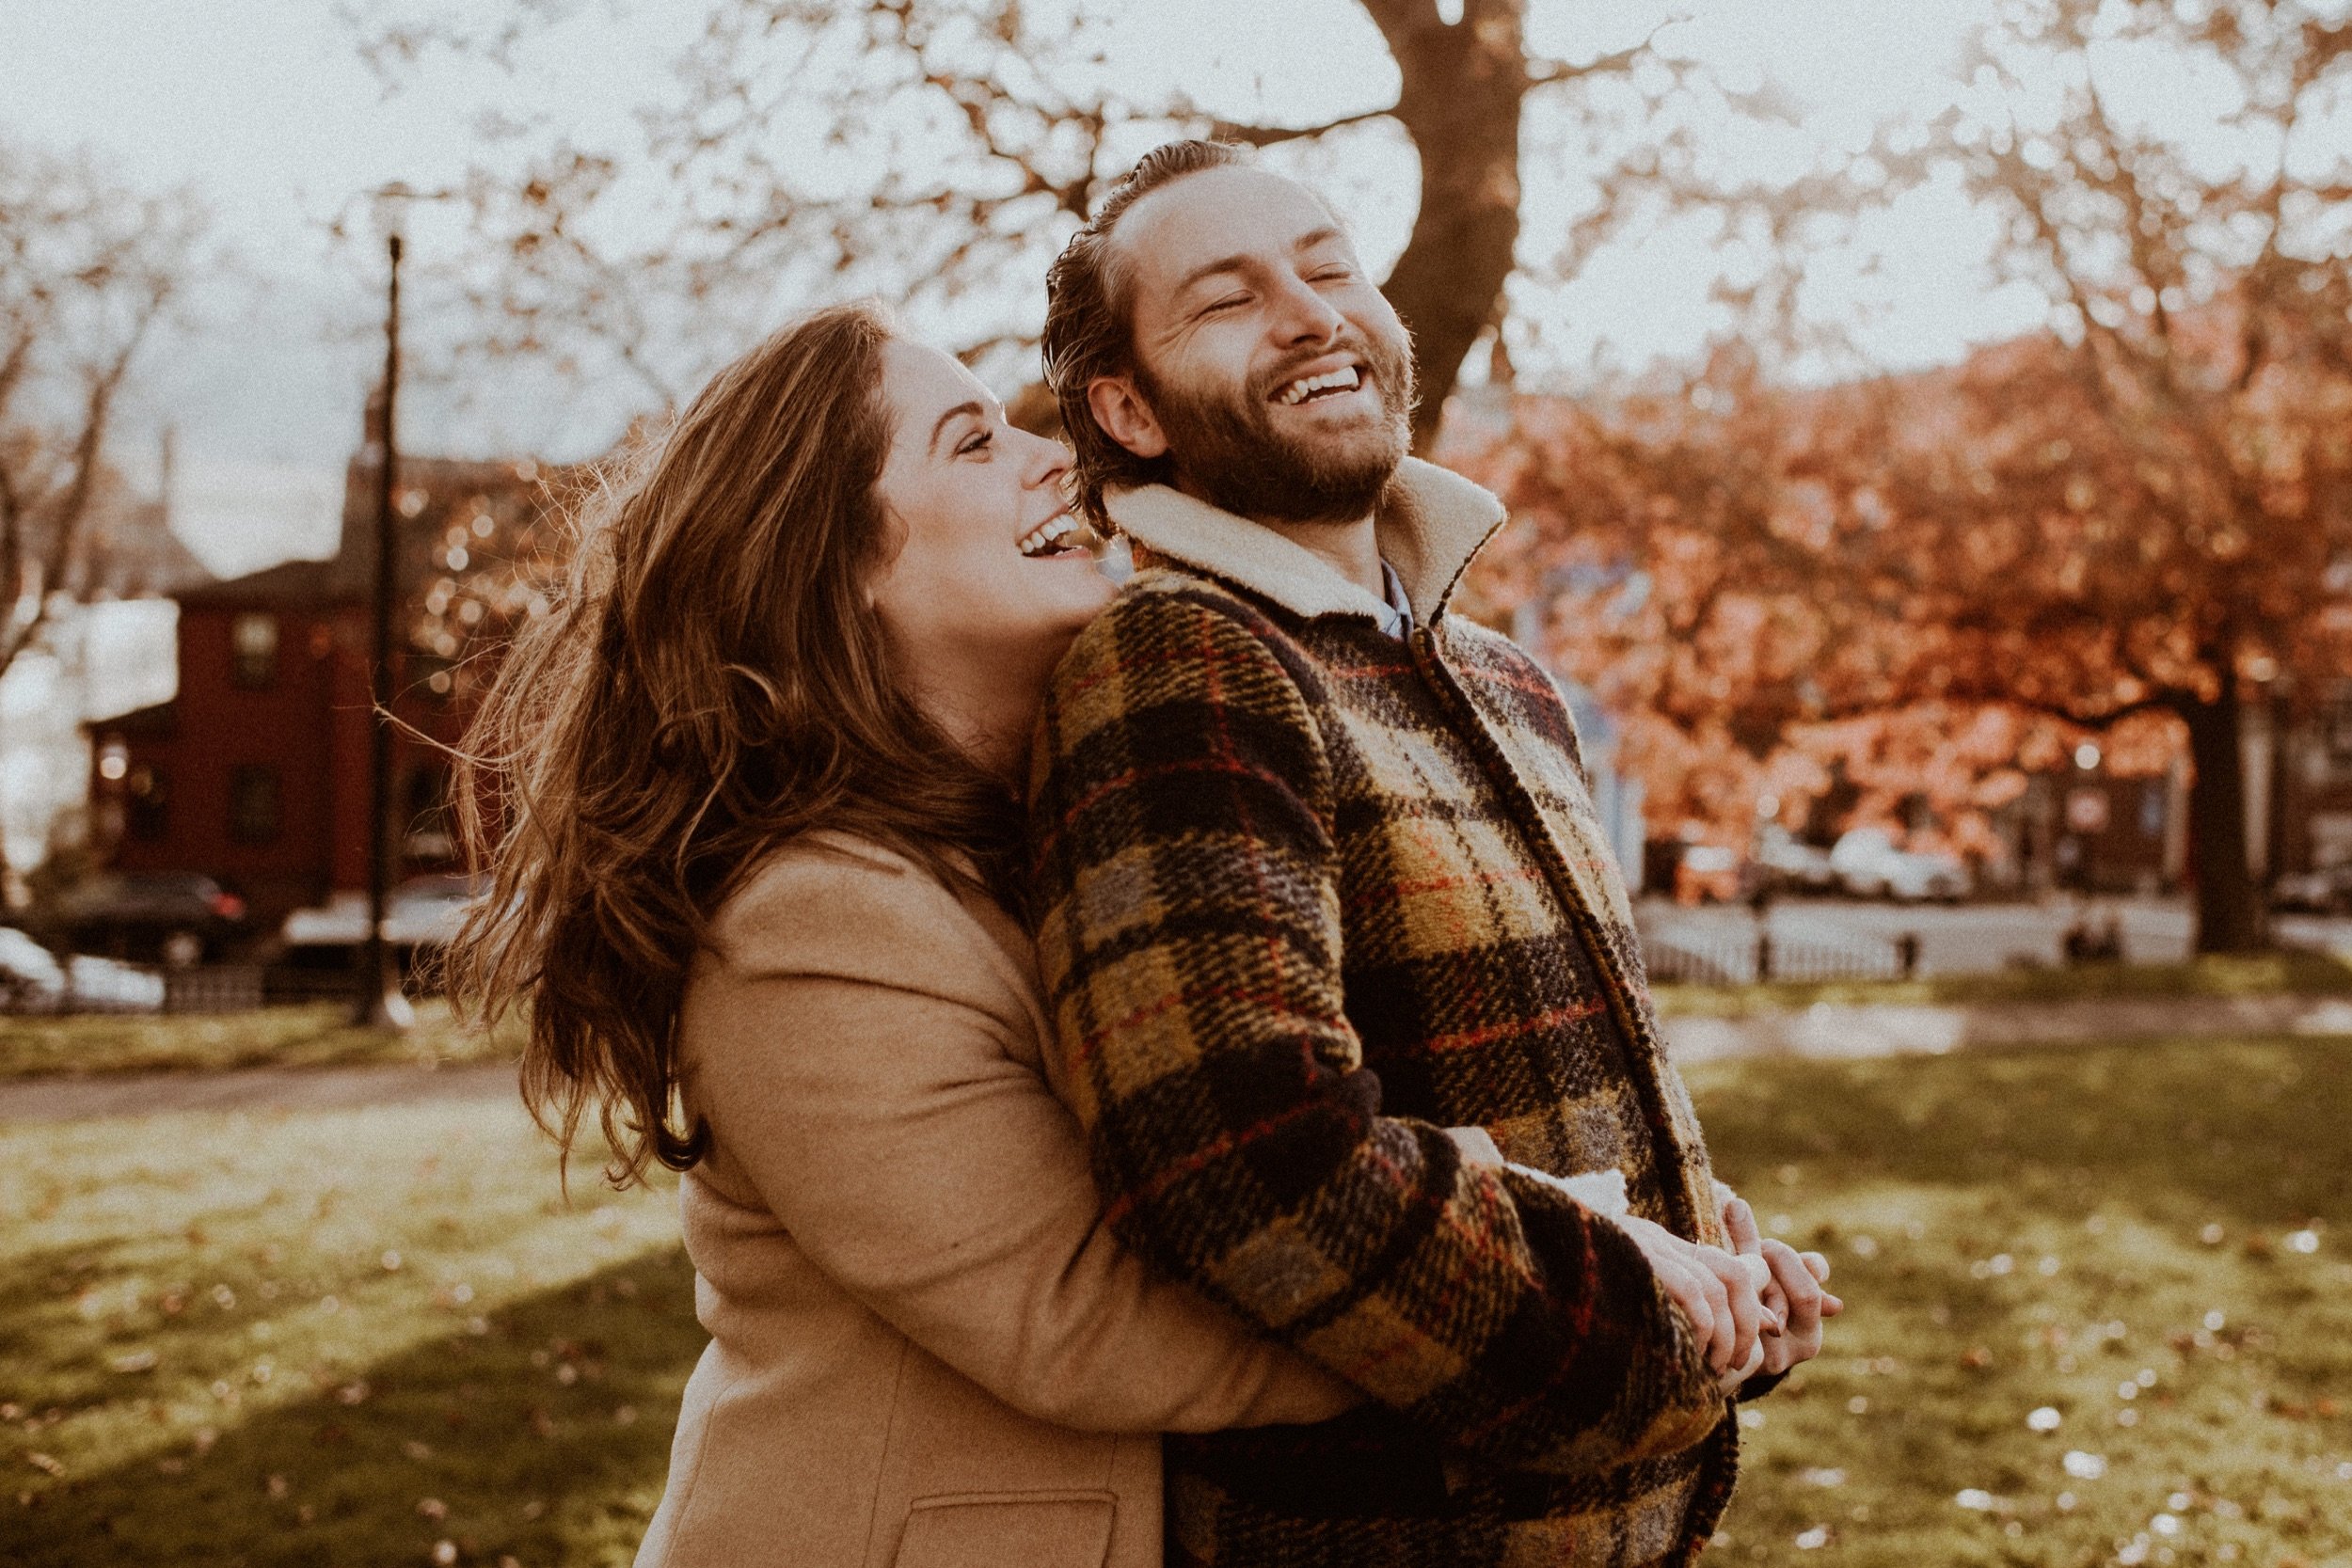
539,1433
2251,1131
47,1276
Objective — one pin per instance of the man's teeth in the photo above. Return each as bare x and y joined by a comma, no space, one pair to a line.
1344,379
1048,535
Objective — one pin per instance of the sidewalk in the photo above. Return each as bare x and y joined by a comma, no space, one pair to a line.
1826,1030
268,1089
1819,1031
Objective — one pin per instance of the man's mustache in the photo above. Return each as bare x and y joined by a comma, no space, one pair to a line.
1377,359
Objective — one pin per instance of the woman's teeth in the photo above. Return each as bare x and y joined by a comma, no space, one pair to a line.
1341,380
1048,537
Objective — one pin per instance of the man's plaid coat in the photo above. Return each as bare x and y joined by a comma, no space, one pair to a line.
1308,896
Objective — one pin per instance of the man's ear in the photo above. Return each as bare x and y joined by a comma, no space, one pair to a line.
1126,418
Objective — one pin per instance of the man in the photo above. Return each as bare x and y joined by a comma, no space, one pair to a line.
1318,879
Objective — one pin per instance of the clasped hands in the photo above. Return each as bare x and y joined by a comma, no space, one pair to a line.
1758,1306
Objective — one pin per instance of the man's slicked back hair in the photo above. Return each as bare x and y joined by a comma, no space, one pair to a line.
1089,322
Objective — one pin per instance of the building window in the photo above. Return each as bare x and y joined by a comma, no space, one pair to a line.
429,836
253,648
2337,723
144,798
254,804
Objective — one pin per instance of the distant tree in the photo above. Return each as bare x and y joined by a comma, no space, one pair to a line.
2147,511
1711,561
87,272
2174,474
940,151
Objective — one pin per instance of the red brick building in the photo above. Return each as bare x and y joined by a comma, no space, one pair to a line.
257,771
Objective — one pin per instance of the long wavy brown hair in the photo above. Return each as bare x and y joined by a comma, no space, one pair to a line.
711,681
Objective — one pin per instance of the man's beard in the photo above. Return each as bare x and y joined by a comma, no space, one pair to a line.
1225,448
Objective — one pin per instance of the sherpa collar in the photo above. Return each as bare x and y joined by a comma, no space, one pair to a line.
1431,522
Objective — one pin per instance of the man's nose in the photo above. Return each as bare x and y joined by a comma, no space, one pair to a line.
1302,315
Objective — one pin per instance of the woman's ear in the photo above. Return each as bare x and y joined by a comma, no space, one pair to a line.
1120,408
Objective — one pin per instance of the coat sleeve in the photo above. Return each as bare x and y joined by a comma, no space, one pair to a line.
1186,884
849,1055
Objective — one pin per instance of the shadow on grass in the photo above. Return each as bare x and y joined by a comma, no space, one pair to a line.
48,1276
2256,1131
544,1437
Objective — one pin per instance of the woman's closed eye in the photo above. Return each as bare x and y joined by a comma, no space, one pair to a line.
980,440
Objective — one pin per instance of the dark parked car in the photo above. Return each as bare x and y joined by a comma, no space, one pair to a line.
2328,891
171,917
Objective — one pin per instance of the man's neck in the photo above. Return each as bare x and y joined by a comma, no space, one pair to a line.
1351,549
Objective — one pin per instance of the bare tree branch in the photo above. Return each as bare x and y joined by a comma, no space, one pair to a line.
91,271
1274,136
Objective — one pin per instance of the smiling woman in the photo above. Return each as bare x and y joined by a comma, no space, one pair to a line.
989,580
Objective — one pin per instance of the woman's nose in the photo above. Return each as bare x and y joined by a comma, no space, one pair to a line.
1048,461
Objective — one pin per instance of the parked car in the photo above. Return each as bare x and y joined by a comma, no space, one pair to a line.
2328,891
173,917
1706,874
34,980
420,913
1868,865
31,978
1783,861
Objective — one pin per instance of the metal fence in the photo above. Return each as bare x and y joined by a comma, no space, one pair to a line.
1744,958
109,987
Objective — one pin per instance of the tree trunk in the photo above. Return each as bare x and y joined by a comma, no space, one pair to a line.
2229,916
1463,84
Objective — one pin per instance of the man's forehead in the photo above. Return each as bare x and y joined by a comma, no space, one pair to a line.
1214,215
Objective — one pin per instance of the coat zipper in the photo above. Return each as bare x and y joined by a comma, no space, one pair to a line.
1647,1050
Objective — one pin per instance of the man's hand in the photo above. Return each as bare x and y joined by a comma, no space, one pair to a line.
1720,1292
1794,1294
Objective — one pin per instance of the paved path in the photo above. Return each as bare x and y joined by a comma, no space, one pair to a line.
1822,1031
1889,1031
268,1089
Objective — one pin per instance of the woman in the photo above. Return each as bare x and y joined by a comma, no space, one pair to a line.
754,779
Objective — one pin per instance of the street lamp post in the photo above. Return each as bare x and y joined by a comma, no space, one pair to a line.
382,1004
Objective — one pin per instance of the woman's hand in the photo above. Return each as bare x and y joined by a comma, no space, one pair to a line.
1794,1292
1720,1292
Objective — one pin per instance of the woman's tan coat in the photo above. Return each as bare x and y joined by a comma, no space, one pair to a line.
926,1350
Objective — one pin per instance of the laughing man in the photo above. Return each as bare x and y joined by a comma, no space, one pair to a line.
1346,985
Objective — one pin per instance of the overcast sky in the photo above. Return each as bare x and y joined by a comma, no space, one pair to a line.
266,108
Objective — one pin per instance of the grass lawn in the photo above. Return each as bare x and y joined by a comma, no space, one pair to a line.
379,1337
342,1338
319,1035
2134,1241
